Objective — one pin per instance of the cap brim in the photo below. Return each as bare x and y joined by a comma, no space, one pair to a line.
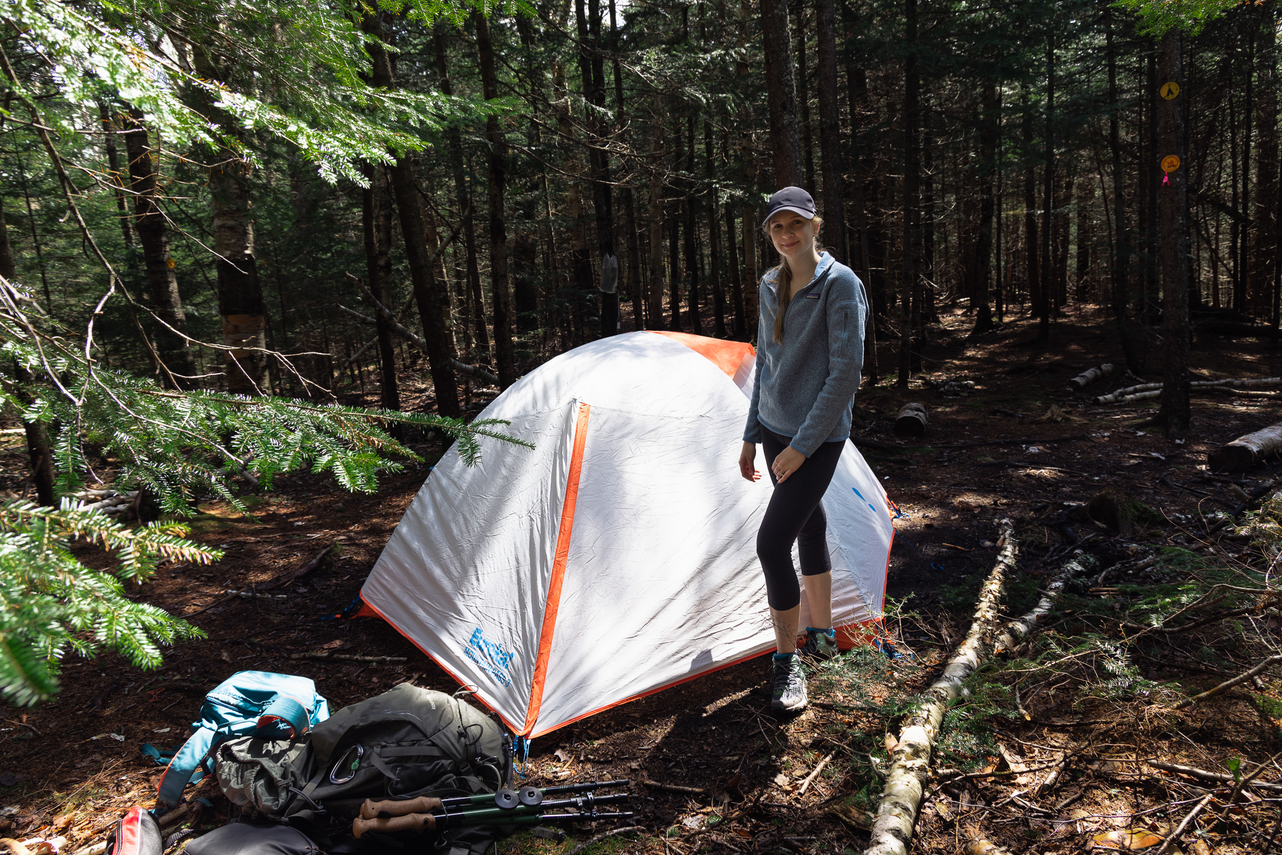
809,215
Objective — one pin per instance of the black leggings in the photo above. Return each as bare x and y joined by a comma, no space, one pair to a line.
795,514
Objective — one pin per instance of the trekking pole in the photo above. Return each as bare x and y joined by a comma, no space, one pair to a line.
505,798
486,816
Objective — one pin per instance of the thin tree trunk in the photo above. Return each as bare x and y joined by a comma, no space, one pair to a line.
781,94
463,199
712,209
912,182
1122,248
630,275
1032,248
1264,253
1043,306
8,268
437,328
504,347
834,182
109,133
162,283
1173,216
989,136
376,223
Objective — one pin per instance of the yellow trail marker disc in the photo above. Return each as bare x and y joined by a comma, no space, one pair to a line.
1170,163
1170,91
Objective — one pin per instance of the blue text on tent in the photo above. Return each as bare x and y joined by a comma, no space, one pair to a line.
490,656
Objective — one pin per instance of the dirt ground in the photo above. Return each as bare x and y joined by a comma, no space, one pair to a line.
711,768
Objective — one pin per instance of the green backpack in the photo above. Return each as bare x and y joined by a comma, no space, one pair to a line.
403,743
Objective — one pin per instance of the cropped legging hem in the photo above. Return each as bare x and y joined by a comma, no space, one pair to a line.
795,515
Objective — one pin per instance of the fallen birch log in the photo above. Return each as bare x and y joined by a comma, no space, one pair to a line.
1086,378
1145,391
1020,628
1246,451
905,782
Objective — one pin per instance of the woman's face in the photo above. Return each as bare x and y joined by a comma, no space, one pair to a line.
791,233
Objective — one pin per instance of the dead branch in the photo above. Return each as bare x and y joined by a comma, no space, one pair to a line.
1086,378
674,788
417,340
1228,684
1175,835
315,561
1212,777
814,774
346,657
1020,628
901,797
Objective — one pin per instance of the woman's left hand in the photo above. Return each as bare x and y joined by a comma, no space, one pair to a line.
787,462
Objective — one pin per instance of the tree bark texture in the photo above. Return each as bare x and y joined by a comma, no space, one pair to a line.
910,760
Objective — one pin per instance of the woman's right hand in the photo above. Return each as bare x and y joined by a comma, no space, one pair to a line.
747,462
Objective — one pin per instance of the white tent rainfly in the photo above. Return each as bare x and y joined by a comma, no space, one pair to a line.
618,556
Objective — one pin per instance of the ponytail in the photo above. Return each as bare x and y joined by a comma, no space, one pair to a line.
782,275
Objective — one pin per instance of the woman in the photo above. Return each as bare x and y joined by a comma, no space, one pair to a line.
810,349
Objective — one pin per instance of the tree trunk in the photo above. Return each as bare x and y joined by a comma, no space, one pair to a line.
8,269
1032,247
376,223
630,275
1264,252
713,210
1245,451
162,284
504,347
1173,216
109,134
1120,260
912,179
989,136
437,327
781,94
654,290
834,189
463,198
1044,301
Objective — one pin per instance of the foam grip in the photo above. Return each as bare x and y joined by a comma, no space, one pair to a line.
399,807
408,822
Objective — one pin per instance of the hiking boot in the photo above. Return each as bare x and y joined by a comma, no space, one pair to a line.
788,685
820,645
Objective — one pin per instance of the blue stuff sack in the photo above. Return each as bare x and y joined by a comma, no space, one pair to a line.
249,703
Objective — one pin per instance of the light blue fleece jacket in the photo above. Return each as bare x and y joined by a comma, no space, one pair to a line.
806,384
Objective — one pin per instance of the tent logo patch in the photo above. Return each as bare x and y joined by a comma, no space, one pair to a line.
489,655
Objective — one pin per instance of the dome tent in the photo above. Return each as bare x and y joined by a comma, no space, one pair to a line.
618,556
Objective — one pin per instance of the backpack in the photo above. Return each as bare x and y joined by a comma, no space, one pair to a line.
261,703
403,743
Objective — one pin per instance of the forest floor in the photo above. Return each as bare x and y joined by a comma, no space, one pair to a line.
1053,751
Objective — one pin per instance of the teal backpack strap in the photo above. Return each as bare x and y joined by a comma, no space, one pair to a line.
283,718
185,767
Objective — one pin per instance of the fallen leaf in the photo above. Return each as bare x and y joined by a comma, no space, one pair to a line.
1127,838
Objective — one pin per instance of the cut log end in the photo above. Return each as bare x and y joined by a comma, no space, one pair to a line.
912,420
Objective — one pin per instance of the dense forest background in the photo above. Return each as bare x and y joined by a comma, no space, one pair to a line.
221,218
1005,156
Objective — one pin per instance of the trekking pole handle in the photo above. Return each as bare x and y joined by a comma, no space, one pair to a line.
408,822
399,807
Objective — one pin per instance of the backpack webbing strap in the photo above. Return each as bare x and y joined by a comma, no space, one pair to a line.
184,766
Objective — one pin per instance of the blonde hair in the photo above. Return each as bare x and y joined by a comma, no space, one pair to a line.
782,274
